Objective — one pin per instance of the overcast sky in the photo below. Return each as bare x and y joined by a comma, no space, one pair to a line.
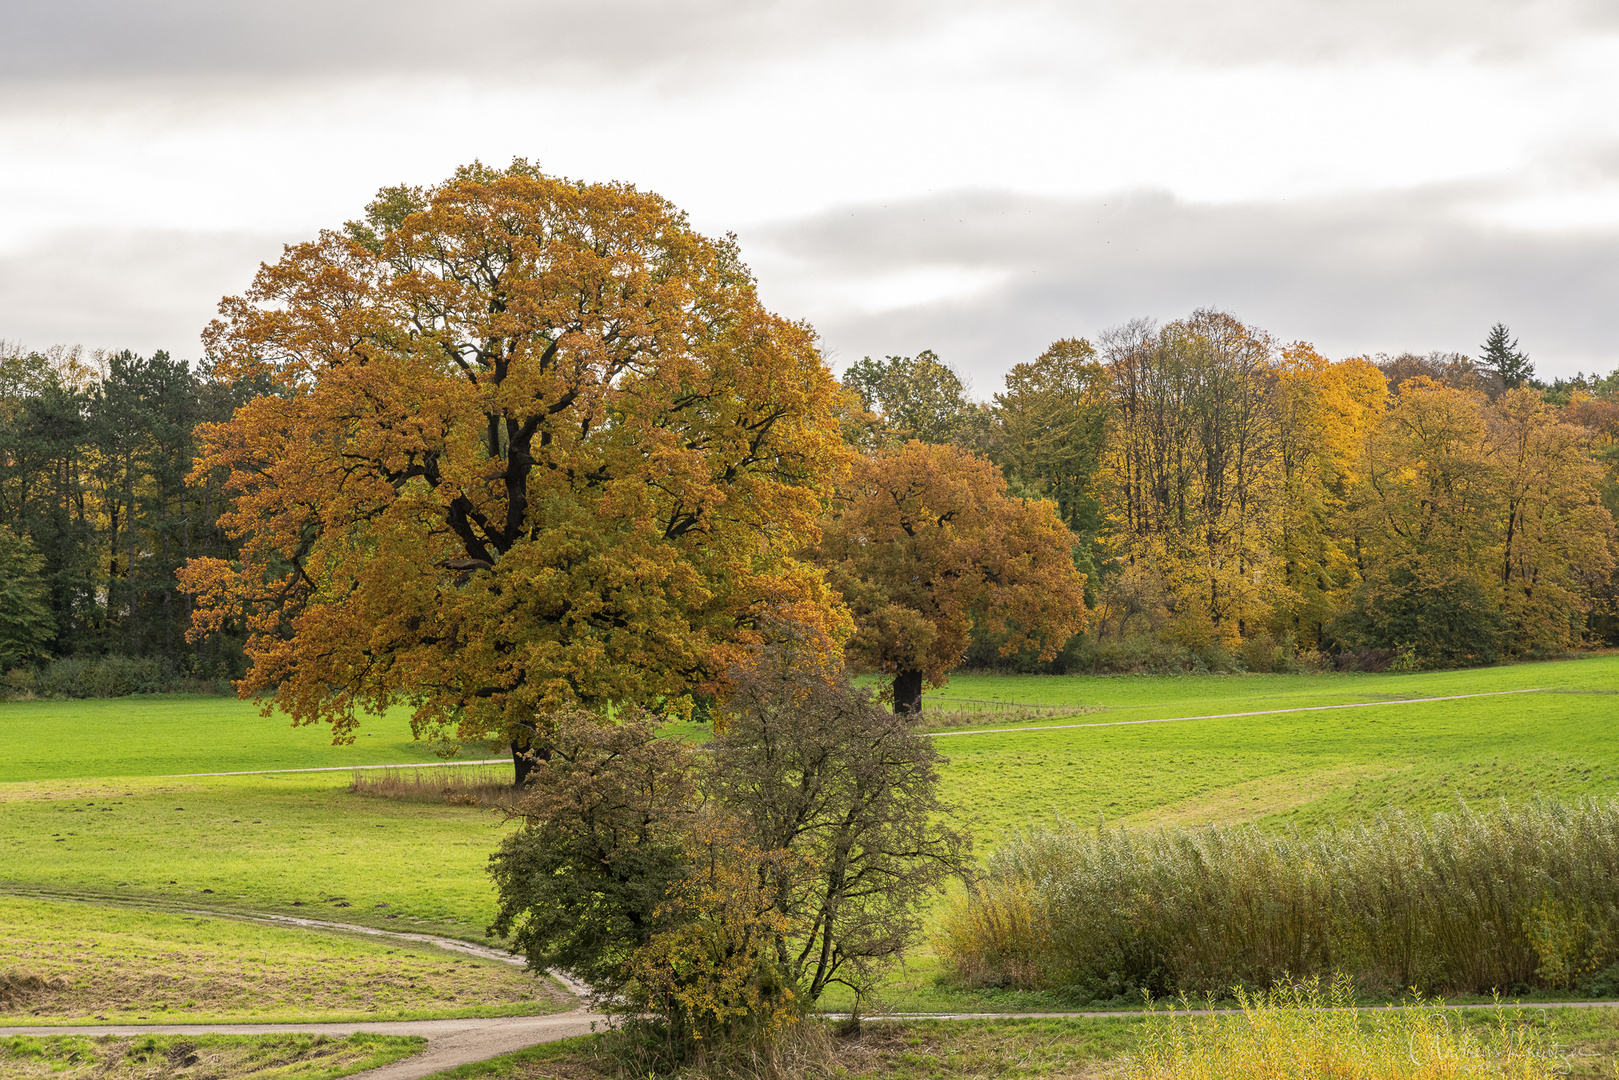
975,178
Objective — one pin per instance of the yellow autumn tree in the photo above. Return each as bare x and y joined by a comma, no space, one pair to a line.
1424,526
1193,483
1557,539
532,442
1324,413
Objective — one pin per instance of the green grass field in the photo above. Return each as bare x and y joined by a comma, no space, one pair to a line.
90,806
288,843
1308,768
163,735
95,963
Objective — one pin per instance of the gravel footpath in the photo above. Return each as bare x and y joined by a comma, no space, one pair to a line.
449,1042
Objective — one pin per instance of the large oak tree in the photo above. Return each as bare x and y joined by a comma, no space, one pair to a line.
531,443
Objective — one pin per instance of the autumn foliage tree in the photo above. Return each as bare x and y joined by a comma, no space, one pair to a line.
530,443
926,544
1194,487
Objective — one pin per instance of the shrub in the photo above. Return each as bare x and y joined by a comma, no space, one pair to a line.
113,676
1300,1033
714,896
1470,902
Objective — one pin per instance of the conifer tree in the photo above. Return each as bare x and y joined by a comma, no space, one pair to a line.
1502,357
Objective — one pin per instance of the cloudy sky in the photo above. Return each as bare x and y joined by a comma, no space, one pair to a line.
975,178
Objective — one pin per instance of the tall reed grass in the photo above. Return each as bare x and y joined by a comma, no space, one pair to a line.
455,785
1300,1033
1512,899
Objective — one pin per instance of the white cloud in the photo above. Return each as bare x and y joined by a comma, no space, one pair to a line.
960,173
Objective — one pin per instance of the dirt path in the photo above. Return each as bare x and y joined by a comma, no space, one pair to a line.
449,1042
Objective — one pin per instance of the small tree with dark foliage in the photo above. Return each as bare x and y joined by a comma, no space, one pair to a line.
817,768
603,840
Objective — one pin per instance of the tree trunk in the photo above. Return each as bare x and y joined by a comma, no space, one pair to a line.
908,693
525,756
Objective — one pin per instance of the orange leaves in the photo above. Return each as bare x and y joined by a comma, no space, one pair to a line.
928,543
533,442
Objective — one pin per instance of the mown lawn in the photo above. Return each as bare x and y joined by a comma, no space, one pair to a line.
75,963
158,735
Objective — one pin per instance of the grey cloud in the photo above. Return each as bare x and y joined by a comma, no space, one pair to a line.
494,40
1296,31
137,290
696,40
1352,274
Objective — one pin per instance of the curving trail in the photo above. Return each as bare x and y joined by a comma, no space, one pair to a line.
449,1042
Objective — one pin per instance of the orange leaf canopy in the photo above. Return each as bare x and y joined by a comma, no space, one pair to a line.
529,442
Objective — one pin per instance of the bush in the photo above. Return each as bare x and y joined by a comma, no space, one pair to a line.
1300,1033
112,676
1468,903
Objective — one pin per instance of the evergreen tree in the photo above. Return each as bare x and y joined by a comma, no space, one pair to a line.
26,625
1505,360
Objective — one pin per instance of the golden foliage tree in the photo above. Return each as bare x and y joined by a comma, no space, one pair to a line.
926,545
1324,413
1194,485
1424,528
531,442
1557,538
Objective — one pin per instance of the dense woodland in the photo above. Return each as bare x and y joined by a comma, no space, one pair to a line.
98,508
1234,502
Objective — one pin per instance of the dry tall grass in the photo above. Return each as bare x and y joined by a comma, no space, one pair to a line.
455,785
1511,899
962,713
1299,1033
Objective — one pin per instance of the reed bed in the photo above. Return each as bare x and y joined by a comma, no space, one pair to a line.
454,785
1300,1033
1514,900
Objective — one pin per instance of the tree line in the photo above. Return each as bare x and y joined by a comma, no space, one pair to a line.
1229,499
99,507
1237,500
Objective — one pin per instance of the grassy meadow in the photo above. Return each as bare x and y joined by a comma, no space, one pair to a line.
126,965
167,734
1308,768
292,1056
92,806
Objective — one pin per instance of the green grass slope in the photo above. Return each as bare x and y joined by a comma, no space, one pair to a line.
1305,767
162,735
290,843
